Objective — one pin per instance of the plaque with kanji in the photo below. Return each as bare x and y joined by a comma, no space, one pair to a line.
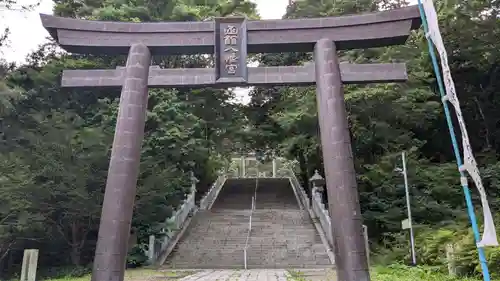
231,50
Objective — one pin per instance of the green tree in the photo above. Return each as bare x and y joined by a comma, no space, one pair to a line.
389,118
55,142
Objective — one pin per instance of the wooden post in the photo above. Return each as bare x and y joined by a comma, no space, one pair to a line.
30,262
450,258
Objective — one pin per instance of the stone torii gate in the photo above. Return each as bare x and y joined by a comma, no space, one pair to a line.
231,39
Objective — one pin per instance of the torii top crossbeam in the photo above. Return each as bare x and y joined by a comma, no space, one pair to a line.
263,36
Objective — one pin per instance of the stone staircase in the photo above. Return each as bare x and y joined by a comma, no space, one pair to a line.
236,194
282,236
285,239
214,239
275,194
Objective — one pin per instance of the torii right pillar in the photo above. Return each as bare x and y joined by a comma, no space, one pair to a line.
342,189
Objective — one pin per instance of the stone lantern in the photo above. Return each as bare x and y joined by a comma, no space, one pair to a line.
318,183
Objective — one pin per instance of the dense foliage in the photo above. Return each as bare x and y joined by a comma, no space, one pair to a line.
55,143
402,273
386,119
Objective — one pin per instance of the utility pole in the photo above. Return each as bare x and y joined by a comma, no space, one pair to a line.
407,191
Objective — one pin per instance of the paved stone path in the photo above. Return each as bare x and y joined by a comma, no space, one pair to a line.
325,274
260,275
238,275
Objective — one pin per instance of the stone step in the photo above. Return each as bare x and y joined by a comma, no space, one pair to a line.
282,235
202,264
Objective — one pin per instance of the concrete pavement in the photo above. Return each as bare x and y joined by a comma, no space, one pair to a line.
262,275
238,275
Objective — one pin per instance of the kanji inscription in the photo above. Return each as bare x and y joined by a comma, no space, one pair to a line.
231,50
231,55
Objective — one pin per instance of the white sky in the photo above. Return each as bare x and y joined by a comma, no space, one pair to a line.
27,32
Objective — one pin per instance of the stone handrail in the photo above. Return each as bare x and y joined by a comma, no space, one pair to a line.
319,209
207,201
245,248
322,214
304,200
175,223
159,248
296,186
254,205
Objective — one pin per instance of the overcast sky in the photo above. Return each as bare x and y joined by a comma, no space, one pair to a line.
27,31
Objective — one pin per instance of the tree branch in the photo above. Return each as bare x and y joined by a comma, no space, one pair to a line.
481,113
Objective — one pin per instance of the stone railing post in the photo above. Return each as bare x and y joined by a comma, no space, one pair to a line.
194,181
30,263
367,243
151,249
192,202
450,258
243,167
274,167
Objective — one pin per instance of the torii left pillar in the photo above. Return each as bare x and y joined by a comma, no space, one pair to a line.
116,217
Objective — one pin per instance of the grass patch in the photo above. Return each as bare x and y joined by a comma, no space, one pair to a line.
293,275
404,273
388,273
138,275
